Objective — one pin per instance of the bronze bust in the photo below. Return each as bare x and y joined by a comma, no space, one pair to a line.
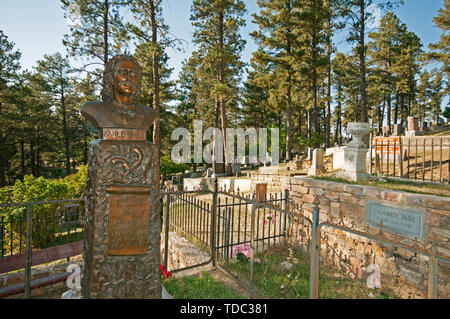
119,108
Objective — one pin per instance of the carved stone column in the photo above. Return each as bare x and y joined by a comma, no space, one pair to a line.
122,220
122,239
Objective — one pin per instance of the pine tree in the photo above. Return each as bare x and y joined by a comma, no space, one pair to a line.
278,50
97,32
436,95
9,67
357,14
216,32
440,51
57,74
423,96
152,37
383,52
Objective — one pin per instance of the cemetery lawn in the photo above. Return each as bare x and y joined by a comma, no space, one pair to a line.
202,286
273,281
411,187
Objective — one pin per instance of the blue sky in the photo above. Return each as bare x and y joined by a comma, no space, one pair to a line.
37,26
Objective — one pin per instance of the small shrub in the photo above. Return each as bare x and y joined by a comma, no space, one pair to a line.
33,189
169,167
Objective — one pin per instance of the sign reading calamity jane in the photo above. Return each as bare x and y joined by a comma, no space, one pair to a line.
128,225
409,223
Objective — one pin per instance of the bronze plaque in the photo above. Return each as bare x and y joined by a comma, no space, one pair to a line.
129,213
122,134
261,192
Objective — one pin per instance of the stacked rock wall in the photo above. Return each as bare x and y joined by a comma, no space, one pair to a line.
403,271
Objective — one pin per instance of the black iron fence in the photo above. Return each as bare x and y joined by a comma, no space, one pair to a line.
419,158
221,221
38,226
53,223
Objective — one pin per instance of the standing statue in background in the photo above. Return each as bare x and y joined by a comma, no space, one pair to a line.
122,222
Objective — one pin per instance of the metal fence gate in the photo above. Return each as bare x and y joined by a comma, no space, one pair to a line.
220,221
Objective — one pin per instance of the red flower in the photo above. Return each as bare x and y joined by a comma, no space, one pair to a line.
166,273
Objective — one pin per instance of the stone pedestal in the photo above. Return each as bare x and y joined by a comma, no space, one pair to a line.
122,222
354,167
338,158
236,169
355,154
317,166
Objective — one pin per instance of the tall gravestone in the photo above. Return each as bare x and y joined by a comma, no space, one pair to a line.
122,222
413,126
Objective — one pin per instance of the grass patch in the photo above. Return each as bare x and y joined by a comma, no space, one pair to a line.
271,280
62,240
199,287
411,187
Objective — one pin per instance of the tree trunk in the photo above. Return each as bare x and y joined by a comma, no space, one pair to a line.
85,142
22,158
328,108
309,115
3,164
338,137
156,81
397,104
388,113
316,117
38,153
362,62
289,119
32,160
223,110
402,112
105,33
65,128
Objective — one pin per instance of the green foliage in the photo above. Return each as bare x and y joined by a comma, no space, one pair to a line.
31,189
305,142
446,112
169,167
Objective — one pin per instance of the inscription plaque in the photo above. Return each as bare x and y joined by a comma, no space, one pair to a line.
409,223
120,134
128,225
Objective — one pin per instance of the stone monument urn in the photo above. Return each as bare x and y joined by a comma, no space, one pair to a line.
355,153
358,132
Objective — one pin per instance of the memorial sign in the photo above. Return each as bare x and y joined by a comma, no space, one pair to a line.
128,225
409,223
387,145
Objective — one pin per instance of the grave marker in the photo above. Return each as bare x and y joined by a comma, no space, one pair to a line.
409,223
122,222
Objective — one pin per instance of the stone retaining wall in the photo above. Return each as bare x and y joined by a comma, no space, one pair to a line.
182,253
403,271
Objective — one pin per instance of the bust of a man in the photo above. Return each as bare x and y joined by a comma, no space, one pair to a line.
119,108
